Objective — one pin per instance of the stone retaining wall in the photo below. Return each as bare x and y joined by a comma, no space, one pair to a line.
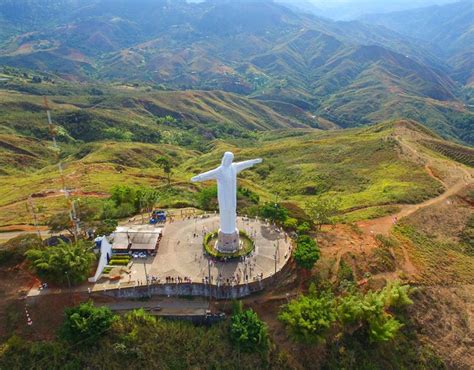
196,289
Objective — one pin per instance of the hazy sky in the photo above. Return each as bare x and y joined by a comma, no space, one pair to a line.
350,9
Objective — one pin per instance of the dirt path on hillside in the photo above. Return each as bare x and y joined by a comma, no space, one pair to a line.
465,177
458,178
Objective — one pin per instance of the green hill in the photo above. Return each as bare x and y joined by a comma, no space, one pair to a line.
362,167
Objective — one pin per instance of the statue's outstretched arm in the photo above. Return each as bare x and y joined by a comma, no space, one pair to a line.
240,166
209,175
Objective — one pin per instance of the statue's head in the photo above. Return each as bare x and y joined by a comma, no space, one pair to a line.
227,159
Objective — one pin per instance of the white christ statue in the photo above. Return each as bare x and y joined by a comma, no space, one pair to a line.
226,176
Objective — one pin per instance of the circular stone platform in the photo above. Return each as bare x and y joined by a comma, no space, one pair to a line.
181,253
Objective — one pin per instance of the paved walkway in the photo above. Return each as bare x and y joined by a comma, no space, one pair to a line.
180,254
163,306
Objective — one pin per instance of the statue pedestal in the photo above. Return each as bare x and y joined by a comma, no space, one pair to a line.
228,243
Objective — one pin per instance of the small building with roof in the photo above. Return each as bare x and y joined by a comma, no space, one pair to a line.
137,238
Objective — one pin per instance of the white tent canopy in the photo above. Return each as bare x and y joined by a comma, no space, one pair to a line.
140,238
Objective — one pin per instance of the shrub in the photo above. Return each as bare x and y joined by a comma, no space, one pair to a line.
114,262
306,253
369,311
86,323
309,317
345,272
303,228
290,223
397,295
247,331
248,246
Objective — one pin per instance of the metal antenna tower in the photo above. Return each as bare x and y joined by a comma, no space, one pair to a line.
67,194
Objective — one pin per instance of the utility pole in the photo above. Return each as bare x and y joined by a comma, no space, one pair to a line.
209,278
68,281
147,282
33,213
277,251
141,209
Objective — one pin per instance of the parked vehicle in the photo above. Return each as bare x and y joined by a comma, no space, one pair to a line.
158,217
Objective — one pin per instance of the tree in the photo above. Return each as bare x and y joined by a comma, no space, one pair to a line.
64,263
146,198
167,167
106,227
122,194
126,200
13,250
322,210
60,222
86,323
247,331
370,311
306,253
309,318
274,212
207,198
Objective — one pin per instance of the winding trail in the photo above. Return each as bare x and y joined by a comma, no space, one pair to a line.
461,176
383,225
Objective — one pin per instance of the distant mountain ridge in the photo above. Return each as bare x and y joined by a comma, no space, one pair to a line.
448,30
346,73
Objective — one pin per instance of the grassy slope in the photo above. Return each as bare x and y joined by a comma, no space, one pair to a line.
200,115
360,166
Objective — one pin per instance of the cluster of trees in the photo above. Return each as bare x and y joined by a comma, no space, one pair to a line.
93,337
247,331
127,200
320,211
65,263
90,214
309,318
86,323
